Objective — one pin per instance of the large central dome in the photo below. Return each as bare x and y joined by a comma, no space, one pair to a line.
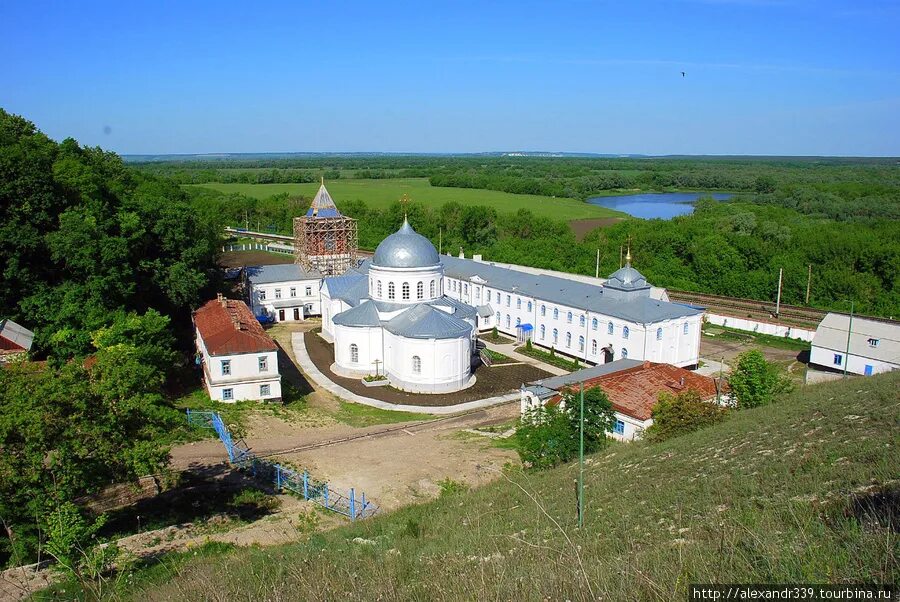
405,248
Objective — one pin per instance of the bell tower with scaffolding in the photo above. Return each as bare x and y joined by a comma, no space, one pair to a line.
324,239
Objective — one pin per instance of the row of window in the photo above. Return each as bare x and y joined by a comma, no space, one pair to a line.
405,290
416,360
264,391
263,365
292,290
594,345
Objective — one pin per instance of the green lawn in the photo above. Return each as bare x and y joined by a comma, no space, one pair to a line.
381,193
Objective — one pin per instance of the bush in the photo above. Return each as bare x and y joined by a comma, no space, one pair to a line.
756,382
545,439
680,414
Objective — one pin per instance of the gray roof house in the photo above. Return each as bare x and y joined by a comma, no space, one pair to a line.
15,340
874,345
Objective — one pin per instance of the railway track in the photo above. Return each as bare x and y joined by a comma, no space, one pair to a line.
806,317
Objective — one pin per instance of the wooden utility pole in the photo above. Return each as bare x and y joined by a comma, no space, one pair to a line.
808,282
778,301
597,269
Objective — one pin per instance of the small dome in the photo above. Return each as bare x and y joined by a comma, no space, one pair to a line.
626,278
405,248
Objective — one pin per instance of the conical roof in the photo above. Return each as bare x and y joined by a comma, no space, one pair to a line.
323,205
426,322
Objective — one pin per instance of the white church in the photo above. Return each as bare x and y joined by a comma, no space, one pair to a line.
393,319
412,315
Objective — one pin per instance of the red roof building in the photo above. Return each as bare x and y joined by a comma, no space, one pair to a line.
229,328
633,388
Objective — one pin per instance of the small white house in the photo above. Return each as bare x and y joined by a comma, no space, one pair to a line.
239,360
632,386
284,292
874,345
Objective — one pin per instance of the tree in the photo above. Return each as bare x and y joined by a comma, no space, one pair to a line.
599,416
754,381
683,413
544,438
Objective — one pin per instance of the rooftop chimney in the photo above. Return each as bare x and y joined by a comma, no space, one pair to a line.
221,299
461,254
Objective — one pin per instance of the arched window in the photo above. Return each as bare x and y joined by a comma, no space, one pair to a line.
518,321
556,313
594,347
581,321
508,301
543,310
555,336
543,332
390,290
685,328
581,344
507,320
379,289
405,290
625,332
354,354
609,328
420,290
498,298
594,323
431,289
659,334
417,364
465,289
569,318
498,318
518,303
568,339
529,307
624,353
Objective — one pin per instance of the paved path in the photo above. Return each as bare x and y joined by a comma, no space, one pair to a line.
509,350
309,368
712,367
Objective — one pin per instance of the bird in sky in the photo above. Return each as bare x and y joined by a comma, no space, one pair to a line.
682,74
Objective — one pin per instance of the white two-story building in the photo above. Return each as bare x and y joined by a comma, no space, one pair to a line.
285,292
239,360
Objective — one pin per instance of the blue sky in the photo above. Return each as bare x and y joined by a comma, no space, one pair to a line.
792,77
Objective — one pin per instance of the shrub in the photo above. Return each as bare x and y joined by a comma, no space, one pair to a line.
676,415
754,381
544,438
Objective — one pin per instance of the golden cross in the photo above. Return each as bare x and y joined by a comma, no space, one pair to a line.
404,202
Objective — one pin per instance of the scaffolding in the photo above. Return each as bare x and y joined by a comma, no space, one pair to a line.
324,239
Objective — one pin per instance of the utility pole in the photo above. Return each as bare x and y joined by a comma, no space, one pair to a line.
597,269
620,257
778,301
719,385
849,330
808,282
581,460
440,240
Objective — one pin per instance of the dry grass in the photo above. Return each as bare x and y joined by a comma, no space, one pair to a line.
800,491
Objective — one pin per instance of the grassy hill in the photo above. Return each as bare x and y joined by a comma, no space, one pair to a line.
381,193
800,491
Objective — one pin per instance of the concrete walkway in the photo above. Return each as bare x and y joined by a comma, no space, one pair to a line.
309,368
509,350
712,368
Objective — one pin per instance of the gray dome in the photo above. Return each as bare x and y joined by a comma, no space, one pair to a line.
405,249
626,278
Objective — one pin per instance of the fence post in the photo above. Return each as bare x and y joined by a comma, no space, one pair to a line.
363,511
352,505
305,485
278,477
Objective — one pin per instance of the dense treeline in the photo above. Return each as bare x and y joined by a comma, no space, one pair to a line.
105,265
728,248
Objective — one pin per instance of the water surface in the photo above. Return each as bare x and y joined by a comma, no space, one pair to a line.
662,205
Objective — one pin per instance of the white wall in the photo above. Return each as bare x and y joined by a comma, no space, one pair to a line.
446,363
746,324
245,378
675,347
369,342
857,364
399,277
300,298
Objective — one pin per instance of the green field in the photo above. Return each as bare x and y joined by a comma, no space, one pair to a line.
381,193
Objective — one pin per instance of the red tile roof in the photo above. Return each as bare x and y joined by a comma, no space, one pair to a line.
635,391
228,327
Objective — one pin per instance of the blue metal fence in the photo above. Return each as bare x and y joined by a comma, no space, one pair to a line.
283,478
